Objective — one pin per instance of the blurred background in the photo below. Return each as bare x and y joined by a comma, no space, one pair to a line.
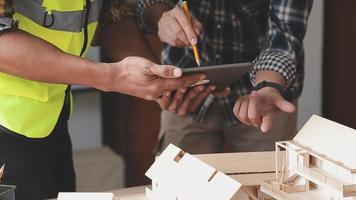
129,126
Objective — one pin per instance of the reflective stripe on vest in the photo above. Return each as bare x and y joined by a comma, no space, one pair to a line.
32,108
71,21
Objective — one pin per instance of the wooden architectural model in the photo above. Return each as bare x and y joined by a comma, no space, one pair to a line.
177,175
248,168
318,164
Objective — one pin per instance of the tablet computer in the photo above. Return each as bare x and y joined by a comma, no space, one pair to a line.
221,75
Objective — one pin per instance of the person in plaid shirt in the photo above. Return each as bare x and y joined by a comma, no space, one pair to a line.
269,33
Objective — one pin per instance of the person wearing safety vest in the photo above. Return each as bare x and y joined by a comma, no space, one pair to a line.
42,43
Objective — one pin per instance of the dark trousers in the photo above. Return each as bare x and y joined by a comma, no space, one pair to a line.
40,168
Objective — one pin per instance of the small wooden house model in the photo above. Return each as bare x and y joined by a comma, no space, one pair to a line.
177,175
318,164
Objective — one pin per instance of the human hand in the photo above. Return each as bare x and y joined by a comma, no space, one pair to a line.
178,29
188,100
142,78
260,107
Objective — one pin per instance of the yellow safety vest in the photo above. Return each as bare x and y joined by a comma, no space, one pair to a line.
32,108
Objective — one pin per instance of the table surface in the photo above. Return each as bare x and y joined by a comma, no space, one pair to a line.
134,193
249,164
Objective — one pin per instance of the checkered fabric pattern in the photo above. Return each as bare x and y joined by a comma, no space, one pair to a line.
269,33
276,61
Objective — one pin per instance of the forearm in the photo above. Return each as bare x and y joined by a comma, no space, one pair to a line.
124,38
29,57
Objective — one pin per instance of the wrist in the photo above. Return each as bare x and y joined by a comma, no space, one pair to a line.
272,87
268,90
103,77
270,76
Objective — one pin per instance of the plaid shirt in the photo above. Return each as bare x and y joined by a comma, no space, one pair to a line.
269,33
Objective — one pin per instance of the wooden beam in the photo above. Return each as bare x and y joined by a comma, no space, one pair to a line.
246,162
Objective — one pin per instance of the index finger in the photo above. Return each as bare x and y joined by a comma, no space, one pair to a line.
185,21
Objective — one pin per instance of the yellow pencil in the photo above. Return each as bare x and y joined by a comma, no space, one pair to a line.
2,169
184,4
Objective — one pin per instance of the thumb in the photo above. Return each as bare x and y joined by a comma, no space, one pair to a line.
165,71
285,105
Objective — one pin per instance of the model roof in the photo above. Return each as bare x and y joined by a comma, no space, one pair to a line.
335,141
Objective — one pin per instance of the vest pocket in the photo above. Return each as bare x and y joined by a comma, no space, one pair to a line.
14,86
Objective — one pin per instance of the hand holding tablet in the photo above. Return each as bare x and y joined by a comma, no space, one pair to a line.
217,80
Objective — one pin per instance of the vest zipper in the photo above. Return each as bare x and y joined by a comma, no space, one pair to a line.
86,22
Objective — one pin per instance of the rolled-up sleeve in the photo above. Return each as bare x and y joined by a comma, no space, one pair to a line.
7,9
141,8
283,45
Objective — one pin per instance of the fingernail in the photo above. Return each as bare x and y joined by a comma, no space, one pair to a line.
177,72
167,94
183,90
193,41
202,77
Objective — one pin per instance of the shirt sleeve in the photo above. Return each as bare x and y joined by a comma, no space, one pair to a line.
283,44
7,9
142,6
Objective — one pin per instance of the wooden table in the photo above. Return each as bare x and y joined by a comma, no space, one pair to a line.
138,193
134,193
248,168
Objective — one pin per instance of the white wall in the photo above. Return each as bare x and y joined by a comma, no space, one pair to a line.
310,101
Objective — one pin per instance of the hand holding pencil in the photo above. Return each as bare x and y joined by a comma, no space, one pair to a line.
178,28
195,48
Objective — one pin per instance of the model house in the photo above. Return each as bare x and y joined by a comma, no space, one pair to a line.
318,164
177,175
